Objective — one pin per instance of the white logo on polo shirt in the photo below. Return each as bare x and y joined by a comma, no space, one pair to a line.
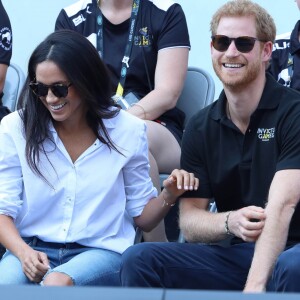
265,134
5,38
79,20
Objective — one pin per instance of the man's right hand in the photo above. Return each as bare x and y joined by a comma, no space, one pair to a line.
247,223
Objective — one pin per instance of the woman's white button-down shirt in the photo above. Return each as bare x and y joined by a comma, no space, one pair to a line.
91,201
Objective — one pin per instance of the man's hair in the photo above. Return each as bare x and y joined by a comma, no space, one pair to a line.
265,26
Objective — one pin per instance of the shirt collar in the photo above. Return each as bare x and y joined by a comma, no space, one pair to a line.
108,123
269,99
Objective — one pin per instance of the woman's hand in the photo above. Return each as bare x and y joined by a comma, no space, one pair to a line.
178,182
35,265
175,185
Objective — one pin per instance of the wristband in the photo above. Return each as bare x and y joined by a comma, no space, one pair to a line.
165,203
227,230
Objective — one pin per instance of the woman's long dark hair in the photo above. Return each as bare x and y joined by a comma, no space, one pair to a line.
80,62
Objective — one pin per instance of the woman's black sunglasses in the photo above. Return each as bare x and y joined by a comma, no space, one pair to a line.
59,90
243,44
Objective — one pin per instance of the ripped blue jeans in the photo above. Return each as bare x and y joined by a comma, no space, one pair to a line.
84,265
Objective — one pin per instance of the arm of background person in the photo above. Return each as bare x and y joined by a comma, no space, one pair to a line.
6,45
283,197
170,74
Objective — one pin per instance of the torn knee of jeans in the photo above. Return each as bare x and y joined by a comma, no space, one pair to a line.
55,271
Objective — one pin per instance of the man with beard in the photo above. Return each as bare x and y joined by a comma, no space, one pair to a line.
244,148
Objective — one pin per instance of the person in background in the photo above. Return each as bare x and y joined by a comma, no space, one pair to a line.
244,148
145,45
285,63
5,56
74,172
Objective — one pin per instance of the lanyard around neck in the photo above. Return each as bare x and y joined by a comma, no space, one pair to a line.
128,48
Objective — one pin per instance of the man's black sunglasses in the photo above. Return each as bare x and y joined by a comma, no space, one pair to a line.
59,90
243,44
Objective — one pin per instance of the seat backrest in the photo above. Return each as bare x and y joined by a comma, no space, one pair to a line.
198,91
14,81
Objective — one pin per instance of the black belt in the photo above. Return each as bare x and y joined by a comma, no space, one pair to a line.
36,242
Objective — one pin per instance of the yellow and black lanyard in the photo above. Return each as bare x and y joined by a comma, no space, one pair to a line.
128,48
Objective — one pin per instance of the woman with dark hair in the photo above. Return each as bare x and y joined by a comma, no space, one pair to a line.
145,45
74,173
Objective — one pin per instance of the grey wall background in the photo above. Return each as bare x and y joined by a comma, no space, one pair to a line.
32,20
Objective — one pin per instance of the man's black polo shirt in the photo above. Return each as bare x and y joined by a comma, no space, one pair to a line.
236,169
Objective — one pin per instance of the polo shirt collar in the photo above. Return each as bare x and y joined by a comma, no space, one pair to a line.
269,99
218,110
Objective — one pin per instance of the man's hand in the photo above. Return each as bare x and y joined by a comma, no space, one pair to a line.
247,223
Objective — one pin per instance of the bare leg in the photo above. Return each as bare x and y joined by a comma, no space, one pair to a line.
164,148
58,279
164,156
